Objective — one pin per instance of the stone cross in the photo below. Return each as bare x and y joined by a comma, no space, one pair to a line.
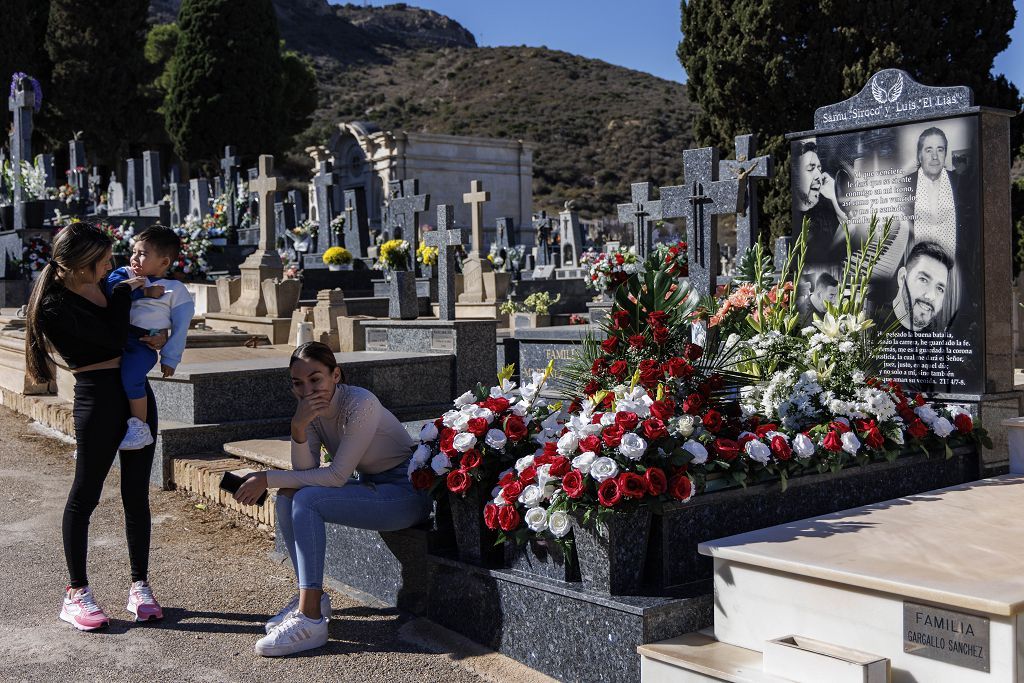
476,198
322,182
21,104
133,192
752,168
265,187
641,213
447,240
152,186
198,198
357,230
403,211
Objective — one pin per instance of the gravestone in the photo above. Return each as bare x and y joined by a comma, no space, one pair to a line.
115,195
152,185
218,186
229,172
45,161
569,243
899,150
264,263
76,156
284,219
322,189
403,210
474,267
752,168
504,233
179,203
641,213
21,103
356,231
198,198
447,239
133,191
95,180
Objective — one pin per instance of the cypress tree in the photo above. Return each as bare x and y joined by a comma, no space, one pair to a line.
764,66
96,50
225,84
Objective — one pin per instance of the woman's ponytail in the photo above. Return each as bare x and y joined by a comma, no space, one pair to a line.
37,356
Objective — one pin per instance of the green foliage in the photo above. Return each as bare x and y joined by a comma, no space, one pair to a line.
161,42
96,49
764,66
300,92
225,80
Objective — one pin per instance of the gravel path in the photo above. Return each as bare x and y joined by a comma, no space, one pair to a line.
211,572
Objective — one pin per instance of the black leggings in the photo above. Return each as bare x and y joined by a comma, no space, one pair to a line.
101,418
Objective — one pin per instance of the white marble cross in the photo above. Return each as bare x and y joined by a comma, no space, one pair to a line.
265,186
476,197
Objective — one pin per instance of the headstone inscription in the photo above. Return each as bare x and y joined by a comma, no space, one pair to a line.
152,185
641,213
21,104
748,166
447,239
934,166
357,230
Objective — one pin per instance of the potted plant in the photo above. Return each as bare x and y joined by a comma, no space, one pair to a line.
534,311
338,258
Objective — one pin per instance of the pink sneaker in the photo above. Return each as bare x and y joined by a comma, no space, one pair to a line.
81,611
142,604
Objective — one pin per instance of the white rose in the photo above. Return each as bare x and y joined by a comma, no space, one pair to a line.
485,413
465,399
496,439
697,450
607,419
421,455
428,432
537,519
448,419
440,464
632,446
532,496
583,462
523,462
603,468
559,524
803,446
568,444
461,423
463,442
942,427
956,410
757,450
685,425
544,475
850,443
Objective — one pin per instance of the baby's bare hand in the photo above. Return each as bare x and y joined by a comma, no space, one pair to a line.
154,291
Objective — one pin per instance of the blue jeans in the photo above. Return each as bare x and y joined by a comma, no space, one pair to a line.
136,362
380,502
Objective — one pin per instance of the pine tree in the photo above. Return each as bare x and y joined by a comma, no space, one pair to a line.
225,83
764,66
96,50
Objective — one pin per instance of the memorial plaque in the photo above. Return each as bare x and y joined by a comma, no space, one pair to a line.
951,637
442,340
376,339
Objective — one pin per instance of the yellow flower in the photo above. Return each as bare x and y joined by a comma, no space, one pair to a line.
337,256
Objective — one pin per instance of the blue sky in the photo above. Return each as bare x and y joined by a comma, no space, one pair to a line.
640,35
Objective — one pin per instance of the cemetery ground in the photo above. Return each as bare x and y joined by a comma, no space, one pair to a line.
216,579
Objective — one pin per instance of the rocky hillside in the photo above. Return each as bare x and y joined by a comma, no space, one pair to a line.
596,127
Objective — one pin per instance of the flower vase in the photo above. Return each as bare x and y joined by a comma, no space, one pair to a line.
475,542
542,557
599,309
334,267
403,303
612,551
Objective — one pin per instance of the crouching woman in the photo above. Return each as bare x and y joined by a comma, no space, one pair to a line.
361,437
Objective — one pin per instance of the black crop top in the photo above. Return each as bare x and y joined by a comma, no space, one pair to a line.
82,332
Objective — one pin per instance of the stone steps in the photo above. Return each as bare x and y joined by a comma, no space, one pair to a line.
201,474
698,657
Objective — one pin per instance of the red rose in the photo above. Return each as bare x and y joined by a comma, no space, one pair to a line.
655,429
528,475
745,439
963,423
477,427
491,516
632,485
762,430
612,435
664,410
590,443
591,388
678,367
727,449
620,319
637,341
832,442
681,488
447,437
507,478
918,429
559,466
422,479
656,481
497,405
627,420
458,481
657,318
471,459
550,448
692,404
650,373
618,369
572,483
693,352
608,493
781,448
599,366
919,400
873,436
508,517
610,344
713,421
660,335
839,426
515,428
511,492
596,418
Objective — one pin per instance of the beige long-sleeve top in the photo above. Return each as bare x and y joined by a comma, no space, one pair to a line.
362,435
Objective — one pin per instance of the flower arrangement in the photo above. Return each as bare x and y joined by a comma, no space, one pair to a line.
216,223
675,259
68,194
338,225
393,255
33,180
426,254
538,302
305,229
337,256
192,260
122,237
35,254
606,271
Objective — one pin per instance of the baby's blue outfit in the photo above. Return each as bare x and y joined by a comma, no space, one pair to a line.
173,310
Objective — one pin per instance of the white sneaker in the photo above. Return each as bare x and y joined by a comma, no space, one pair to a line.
293,606
297,633
138,435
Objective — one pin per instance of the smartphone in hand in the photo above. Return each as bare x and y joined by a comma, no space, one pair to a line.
231,481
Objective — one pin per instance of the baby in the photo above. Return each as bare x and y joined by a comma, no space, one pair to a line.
162,304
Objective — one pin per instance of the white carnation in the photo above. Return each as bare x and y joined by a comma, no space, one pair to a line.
697,450
632,446
603,468
537,519
559,524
